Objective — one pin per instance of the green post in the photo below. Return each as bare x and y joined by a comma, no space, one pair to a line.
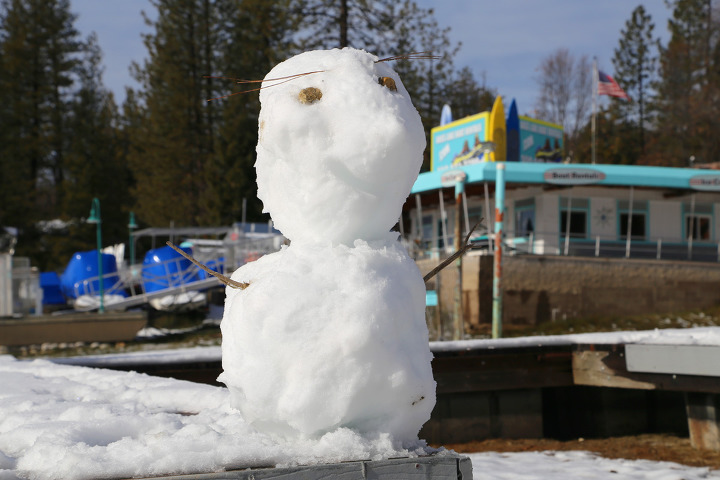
96,219
132,225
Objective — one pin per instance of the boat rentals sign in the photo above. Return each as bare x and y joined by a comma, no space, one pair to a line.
573,176
707,182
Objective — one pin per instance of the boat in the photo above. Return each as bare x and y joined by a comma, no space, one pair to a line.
80,282
166,269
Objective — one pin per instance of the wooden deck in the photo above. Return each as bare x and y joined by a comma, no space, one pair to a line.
75,327
447,467
557,391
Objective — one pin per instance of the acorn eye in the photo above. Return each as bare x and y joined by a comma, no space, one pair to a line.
309,95
388,82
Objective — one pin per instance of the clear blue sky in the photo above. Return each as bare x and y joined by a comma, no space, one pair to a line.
504,39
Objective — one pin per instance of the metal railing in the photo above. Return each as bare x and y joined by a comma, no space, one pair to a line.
556,243
177,274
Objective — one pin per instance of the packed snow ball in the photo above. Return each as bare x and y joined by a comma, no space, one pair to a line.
331,333
325,338
338,151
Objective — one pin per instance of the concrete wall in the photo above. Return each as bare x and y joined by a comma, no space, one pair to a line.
538,287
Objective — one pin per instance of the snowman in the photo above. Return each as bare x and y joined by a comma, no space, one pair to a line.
331,333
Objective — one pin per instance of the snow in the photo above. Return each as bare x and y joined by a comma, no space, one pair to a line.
70,422
325,353
667,336
331,333
574,465
339,168
706,336
330,337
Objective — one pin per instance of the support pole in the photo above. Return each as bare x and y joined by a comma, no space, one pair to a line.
691,233
458,320
497,265
96,218
465,212
443,220
488,217
702,414
567,222
594,107
629,223
418,207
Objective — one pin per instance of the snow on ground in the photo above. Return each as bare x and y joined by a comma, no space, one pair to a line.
69,422
73,422
666,336
575,465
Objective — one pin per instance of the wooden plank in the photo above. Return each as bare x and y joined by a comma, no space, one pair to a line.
674,359
492,370
605,366
83,327
477,371
448,467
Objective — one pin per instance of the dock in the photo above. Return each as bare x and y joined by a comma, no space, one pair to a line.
561,389
72,327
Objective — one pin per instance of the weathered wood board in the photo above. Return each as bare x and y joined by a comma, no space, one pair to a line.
446,467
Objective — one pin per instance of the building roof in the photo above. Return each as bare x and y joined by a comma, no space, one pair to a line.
576,174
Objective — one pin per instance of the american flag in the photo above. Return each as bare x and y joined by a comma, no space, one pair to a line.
608,86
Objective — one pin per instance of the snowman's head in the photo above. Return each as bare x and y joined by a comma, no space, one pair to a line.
339,149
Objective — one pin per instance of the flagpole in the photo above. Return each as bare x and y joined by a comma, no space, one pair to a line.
594,106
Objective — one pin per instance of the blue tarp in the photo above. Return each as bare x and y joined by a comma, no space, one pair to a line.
52,293
84,265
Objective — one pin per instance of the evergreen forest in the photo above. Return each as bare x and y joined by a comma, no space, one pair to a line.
172,157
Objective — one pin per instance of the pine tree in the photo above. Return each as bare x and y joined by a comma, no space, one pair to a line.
467,97
634,65
39,49
347,23
687,103
247,53
173,138
95,163
43,58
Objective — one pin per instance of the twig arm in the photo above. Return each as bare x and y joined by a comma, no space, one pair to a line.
452,257
226,280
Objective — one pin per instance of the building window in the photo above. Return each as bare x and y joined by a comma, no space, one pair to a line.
449,229
697,227
524,217
639,220
698,222
476,216
427,231
577,208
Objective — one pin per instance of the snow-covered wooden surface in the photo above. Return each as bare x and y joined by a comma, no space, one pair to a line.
426,468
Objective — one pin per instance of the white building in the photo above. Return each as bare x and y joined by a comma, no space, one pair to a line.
561,209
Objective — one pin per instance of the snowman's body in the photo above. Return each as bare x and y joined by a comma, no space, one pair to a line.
331,331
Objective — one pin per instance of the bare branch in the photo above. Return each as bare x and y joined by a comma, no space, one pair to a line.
227,281
452,257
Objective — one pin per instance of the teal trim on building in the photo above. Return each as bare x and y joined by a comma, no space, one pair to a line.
608,175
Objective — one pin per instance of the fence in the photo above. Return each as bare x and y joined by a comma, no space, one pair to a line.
555,243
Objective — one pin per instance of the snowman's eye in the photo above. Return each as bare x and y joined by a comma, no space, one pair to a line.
388,82
309,95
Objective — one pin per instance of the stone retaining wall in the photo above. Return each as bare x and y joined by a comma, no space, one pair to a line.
538,288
